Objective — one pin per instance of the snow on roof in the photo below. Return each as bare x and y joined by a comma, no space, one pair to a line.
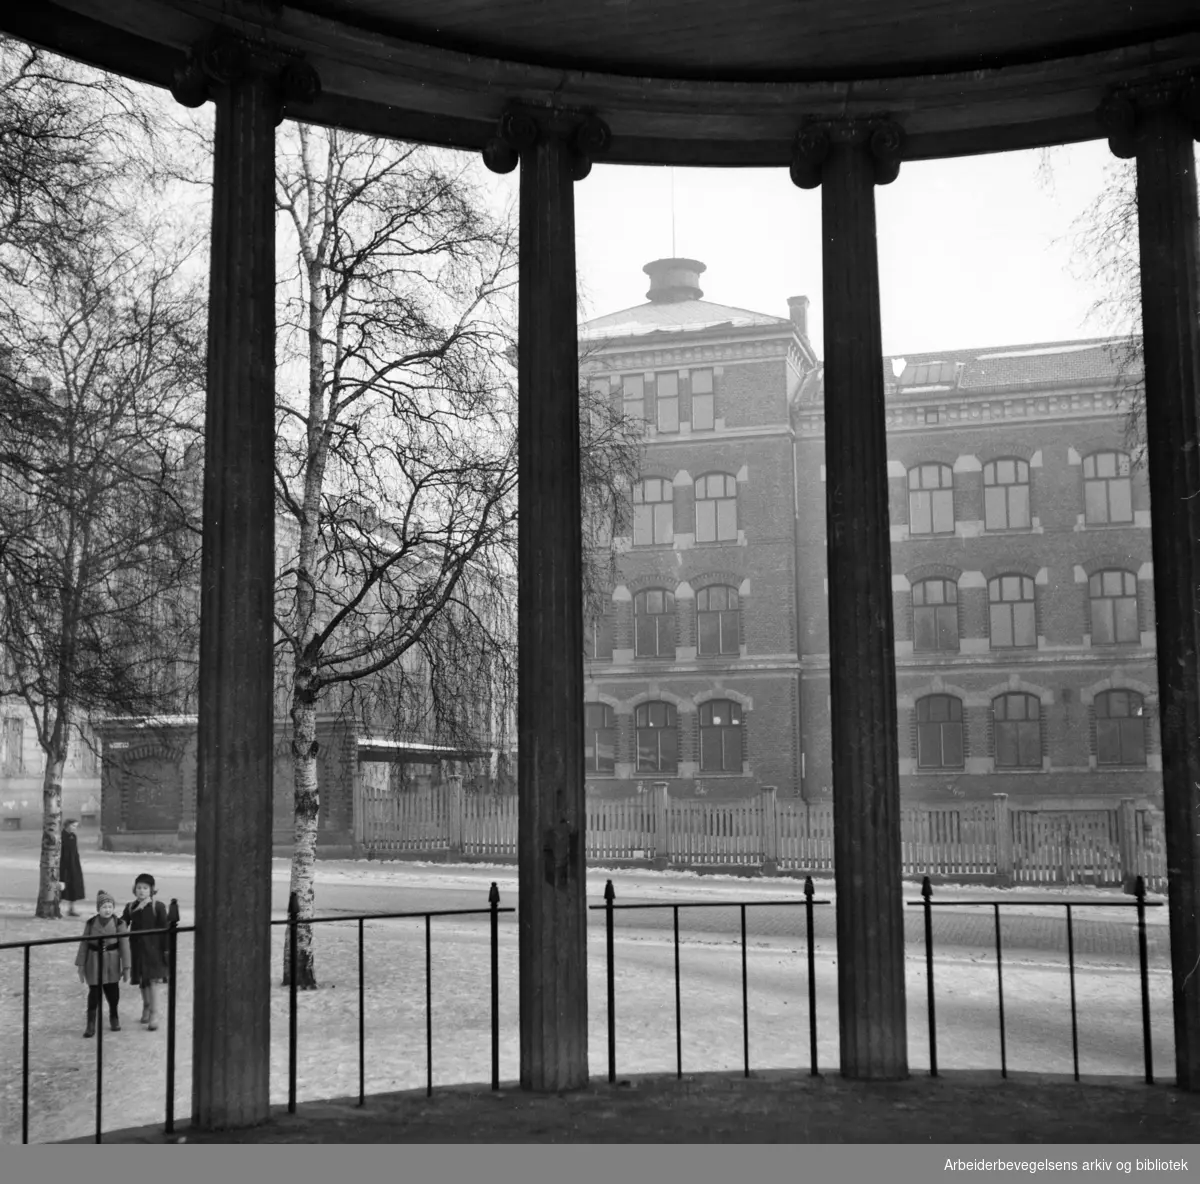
682,316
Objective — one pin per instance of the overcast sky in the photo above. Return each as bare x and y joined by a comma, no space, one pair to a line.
973,252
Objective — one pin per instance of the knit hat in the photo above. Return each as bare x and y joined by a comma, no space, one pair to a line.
103,896
145,878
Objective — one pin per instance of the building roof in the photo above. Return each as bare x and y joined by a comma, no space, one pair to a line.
1005,368
684,316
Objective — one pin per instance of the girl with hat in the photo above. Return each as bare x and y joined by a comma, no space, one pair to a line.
103,961
150,950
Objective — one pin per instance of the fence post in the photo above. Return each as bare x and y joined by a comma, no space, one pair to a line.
1127,844
662,840
454,813
770,831
1002,822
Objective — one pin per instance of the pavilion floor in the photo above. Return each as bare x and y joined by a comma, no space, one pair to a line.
770,1107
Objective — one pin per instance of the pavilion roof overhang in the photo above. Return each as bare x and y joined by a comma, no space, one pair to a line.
385,68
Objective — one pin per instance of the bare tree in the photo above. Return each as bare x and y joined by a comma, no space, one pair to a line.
396,451
99,411
70,139
1104,243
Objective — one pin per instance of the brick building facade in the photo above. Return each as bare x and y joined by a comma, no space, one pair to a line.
1023,585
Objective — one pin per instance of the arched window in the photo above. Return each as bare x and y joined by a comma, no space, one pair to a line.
657,737
1113,596
935,615
599,738
654,624
717,621
716,508
653,512
1107,489
720,737
1017,720
931,500
1011,612
1120,728
939,732
1006,495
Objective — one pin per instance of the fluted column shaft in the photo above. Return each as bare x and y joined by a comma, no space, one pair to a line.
1167,232
232,972
866,781
552,914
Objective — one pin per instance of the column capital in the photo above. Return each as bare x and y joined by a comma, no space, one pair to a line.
883,138
225,58
1122,107
520,128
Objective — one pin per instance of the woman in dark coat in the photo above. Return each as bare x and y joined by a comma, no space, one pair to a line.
70,871
150,953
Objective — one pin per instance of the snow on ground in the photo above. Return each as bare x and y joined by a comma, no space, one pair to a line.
62,1079
63,1074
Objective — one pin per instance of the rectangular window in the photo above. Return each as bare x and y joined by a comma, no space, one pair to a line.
703,410
633,396
14,754
668,401
643,525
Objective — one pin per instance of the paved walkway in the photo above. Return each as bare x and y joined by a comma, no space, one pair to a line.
769,1107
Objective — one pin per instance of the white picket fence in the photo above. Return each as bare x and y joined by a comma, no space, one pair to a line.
968,841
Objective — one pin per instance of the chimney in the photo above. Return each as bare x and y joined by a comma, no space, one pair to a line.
674,280
798,311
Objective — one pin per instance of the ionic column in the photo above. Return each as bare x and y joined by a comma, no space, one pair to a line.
848,159
1156,124
232,975
554,151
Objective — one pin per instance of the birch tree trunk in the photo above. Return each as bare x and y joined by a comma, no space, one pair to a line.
49,893
304,838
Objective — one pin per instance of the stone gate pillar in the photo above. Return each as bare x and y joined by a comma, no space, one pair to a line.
231,1038
848,158
1156,124
554,150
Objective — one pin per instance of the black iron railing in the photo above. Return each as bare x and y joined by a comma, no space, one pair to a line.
1139,902
610,907
292,922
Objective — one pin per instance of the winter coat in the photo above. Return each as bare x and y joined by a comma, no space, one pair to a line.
115,937
70,872
150,960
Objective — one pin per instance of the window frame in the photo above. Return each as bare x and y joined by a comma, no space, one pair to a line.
924,727
1002,601
592,732
728,620
723,531
726,735
595,630
634,407
666,401
1130,728
667,613
656,513
941,612
1008,487
1025,731
670,727
1112,601
939,495
705,398
1092,480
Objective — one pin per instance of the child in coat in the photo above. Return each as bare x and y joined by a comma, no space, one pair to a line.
150,952
103,961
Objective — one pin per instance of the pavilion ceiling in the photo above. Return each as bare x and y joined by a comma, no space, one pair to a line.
678,81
